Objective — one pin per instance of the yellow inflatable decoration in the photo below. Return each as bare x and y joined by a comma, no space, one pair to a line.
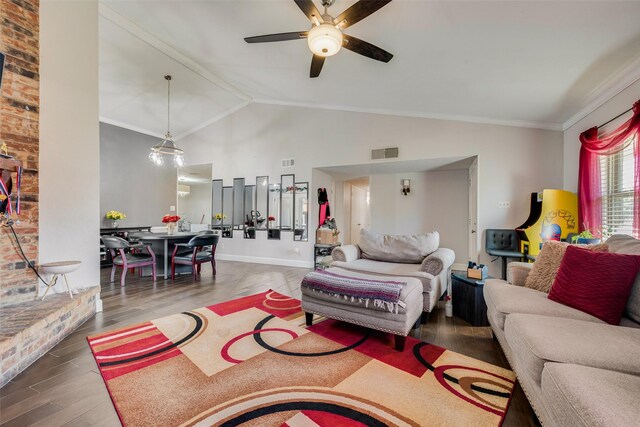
553,215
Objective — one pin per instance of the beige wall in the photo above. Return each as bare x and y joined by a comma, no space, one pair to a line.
513,162
69,137
616,105
438,201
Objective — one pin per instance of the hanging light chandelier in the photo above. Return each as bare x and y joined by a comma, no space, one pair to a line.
167,147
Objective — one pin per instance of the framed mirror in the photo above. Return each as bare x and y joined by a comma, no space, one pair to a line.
238,203
273,220
227,212
250,215
195,197
301,212
287,202
216,204
262,202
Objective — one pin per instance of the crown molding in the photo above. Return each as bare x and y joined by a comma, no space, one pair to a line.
212,120
130,127
611,87
416,114
139,32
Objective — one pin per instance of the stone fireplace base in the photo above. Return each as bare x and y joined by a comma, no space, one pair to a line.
31,329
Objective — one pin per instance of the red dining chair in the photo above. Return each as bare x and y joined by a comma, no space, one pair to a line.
203,249
128,259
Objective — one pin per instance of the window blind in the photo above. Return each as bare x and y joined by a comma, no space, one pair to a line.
617,172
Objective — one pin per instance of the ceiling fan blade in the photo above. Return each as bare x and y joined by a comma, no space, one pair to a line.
308,8
359,11
279,37
366,49
316,65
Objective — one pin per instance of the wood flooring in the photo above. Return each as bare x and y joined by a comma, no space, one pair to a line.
64,388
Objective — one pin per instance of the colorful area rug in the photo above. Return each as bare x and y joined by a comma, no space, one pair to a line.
252,361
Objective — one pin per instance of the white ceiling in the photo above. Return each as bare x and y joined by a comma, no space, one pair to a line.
532,63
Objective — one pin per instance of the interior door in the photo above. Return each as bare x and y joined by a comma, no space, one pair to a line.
359,213
473,211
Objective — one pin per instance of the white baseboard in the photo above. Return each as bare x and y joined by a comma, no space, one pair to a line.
261,260
98,305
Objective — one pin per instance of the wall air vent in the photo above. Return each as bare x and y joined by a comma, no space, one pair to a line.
288,163
385,153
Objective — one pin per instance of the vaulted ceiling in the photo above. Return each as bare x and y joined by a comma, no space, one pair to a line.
530,63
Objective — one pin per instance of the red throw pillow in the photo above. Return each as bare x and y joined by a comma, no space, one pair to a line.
598,283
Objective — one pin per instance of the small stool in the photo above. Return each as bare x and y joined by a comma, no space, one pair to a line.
398,323
60,268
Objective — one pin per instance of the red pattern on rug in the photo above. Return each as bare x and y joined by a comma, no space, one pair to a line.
253,359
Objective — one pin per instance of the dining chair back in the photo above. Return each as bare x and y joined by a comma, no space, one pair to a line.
202,249
126,256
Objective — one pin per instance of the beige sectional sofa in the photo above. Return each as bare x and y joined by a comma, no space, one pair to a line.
433,271
575,369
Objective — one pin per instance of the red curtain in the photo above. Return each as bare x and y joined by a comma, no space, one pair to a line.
589,180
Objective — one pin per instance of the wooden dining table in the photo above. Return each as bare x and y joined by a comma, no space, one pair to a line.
164,243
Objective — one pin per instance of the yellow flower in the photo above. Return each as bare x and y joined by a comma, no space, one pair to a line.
115,215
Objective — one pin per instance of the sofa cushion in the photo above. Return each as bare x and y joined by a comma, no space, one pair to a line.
517,272
544,270
535,340
583,396
506,299
388,269
623,244
598,283
404,249
629,323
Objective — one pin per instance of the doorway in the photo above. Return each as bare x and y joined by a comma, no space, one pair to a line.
360,217
473,211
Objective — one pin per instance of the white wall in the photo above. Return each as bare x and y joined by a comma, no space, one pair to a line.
616,105
69,137
513,162
129,182
438,201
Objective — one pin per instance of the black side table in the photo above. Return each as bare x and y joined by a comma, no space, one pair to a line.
468,299
322,250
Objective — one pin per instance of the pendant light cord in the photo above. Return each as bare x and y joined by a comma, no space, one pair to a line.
168,77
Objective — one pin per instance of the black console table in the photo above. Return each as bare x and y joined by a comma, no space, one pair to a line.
468,299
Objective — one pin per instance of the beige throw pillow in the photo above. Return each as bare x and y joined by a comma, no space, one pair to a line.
548,261
409,249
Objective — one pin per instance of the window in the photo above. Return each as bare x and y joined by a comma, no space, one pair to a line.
617,173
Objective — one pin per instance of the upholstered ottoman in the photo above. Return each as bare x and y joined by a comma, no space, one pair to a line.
365,300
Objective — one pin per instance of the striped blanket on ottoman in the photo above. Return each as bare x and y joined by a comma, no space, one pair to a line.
382,293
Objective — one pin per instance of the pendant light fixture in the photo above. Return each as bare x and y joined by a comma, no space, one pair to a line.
167,146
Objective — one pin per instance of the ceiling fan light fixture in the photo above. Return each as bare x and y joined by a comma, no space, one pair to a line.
325,40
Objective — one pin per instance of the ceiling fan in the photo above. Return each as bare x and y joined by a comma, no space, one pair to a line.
326,36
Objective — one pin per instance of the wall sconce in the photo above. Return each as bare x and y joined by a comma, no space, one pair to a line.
406,186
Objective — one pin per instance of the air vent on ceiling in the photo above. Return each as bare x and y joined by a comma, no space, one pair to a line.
288,163
385,153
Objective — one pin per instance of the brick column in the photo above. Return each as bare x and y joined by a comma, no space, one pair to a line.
19,109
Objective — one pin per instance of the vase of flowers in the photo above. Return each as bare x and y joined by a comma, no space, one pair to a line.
115,217
217,218
171,221
271,220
